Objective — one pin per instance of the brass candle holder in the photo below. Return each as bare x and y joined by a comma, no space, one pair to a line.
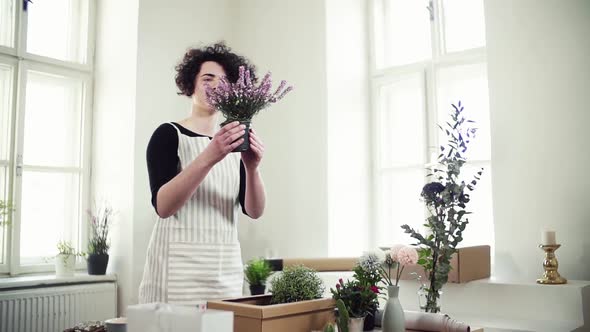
550,276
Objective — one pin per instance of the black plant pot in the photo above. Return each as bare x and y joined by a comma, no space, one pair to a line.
97,264
257,289
246,143
369,321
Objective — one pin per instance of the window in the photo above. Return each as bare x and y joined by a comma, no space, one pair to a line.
425,55
46,74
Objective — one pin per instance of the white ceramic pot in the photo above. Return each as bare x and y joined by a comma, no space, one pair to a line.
65,265
356,324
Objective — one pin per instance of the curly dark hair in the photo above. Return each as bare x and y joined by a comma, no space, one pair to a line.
189,67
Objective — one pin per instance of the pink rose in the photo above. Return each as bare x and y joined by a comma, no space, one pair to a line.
394,250
407,256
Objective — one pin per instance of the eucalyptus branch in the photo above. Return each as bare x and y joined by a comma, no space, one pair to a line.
446,200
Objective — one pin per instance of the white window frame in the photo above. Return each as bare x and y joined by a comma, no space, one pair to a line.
427,70
22,61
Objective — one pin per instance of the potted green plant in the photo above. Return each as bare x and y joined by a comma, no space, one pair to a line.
297,283
256,272
98,244
241,100
358,299
65,260
367,272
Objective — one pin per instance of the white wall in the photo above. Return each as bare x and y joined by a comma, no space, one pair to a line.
349,156
539,79
113,129
288,39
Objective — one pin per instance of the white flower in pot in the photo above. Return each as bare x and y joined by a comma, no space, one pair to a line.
65,260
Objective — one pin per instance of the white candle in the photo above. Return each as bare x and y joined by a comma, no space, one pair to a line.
548,238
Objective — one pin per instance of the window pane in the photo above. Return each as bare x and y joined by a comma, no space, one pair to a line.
50,212
468,83
401,123
58,29
7,22
464,24
6,75
399,203
53,125
3,197
402,32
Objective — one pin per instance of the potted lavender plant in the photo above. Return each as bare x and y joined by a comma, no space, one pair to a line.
98,244
242,100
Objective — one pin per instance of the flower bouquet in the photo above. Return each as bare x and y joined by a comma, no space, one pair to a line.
241,100
446,198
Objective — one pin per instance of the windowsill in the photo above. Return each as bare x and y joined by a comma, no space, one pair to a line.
43,280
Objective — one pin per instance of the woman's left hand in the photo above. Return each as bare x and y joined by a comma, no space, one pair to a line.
253,155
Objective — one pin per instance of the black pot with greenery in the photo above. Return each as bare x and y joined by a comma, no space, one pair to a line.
98,245
97,263
256,272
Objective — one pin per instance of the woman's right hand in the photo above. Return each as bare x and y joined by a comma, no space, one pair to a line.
224,141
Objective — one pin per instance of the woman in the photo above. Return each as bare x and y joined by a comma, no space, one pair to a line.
198,186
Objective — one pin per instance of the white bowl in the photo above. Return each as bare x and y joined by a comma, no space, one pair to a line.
116,324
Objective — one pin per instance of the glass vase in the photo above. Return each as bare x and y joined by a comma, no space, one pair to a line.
428,302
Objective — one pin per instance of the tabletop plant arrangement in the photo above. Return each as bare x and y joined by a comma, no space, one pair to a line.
446,198
355,300
98,244
296,283
241,100
256,272
368,272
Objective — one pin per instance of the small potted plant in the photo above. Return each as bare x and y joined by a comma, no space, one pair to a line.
256,272
241,100
297,283
65,260
367,272
98,244
358,299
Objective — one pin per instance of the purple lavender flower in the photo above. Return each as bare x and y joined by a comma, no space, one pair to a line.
243,99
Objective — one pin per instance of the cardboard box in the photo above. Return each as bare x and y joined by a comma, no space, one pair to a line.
255,314
468,263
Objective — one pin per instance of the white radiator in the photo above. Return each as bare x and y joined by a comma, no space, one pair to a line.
53,309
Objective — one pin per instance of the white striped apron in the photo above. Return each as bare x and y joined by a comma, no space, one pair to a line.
195,255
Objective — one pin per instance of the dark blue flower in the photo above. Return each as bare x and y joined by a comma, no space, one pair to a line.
432,190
